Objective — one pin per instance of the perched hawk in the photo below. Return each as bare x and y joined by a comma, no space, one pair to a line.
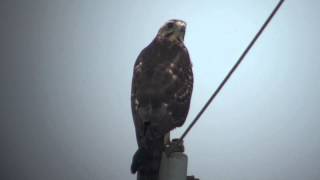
160,96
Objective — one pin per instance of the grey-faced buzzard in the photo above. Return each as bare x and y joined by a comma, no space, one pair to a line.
160,96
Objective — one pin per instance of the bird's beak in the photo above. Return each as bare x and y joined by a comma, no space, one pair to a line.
181,25
181,28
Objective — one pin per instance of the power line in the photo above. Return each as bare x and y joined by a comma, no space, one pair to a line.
232,69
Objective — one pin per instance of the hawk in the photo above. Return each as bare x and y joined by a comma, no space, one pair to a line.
160,96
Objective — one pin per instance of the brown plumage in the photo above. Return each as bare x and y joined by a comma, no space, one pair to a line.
160,96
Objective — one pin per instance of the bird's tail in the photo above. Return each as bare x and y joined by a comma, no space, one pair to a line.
147,161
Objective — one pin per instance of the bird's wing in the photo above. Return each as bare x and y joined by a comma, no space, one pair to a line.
160,99
161,90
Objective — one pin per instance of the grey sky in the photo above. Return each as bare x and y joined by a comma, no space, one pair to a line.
66,69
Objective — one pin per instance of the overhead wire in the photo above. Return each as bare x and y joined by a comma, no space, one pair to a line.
265,24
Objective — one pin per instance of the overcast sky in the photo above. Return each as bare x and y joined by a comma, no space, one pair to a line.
65,77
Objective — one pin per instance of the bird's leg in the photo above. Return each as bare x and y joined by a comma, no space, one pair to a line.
175,146
166,140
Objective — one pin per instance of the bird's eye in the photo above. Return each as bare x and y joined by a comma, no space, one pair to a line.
170,25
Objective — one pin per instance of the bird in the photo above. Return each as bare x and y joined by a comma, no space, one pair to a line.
161,93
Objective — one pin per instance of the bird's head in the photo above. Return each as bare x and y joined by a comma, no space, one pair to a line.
173,30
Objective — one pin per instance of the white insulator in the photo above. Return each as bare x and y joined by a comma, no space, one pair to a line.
174,167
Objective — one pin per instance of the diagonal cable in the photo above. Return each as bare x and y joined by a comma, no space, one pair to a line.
232,69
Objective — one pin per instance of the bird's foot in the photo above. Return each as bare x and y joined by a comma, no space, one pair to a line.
176,145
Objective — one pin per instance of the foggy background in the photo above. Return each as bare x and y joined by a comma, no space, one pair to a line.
65,78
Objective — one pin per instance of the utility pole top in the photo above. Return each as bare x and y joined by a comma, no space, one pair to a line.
174,162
